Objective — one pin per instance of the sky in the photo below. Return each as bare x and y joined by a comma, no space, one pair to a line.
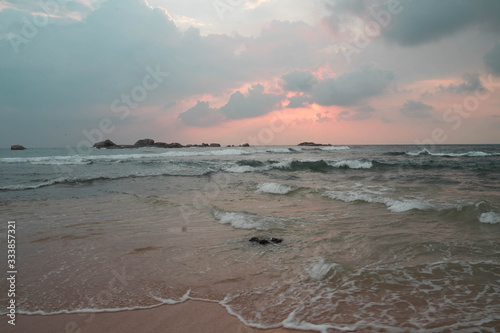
266,72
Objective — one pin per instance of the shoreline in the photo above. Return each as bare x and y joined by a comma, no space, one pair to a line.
188,316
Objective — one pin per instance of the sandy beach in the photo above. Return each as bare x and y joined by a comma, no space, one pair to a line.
190,316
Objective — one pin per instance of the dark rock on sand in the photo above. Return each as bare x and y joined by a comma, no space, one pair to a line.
313,144
17,147
264,241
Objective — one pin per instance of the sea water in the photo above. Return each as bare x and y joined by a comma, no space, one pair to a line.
375,238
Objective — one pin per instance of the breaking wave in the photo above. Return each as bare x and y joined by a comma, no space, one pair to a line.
466,154
273,188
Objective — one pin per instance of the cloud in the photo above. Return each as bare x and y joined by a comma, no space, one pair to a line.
255,104
323,118
492,60
430,21
298,81
299,101
411,23
342,12
201,115
426,95
472,83
353,87
416,109
169,105
357,114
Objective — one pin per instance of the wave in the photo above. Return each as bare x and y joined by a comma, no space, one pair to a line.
90,179
243,169
394,205
490,217
252,163
467,154
143,157
49,160
395,153
352,164
89,159
281,150
388,197
330,148
321,165
323,298
162,301
273,188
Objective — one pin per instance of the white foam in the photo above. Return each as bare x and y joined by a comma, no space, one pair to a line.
335,148
490,217
375,194
281,150
87,159
399,206
170,301
247,221
320,269
49,160
285,164
240,169
162,301
468,154
19,187
352,164
273,188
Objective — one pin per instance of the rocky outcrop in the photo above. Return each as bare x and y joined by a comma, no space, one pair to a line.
174,145
312,144
144,143
17,147
245,145
108,144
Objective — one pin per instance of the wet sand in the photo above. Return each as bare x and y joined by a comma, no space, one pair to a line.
190,316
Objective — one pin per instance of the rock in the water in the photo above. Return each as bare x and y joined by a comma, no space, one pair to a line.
245,145
174,145
105,144
17,147
144,143
160,144
264,241
276,240
312,144
215,145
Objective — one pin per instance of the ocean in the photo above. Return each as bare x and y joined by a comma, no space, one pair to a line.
375,238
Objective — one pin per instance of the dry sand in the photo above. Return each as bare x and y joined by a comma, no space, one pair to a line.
190,316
